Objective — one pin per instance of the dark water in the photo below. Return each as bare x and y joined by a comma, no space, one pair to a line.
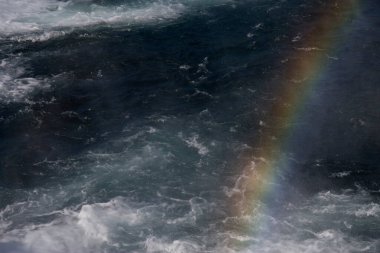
124,125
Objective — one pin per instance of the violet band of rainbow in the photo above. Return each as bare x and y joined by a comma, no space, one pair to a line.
300,74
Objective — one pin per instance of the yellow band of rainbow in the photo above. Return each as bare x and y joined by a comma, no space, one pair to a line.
300,74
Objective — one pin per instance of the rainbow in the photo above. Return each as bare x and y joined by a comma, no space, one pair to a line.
301,73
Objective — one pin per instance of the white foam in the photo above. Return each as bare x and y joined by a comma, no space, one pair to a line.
197,207
113,15
40,20
44,36
96,220
18,16
77,232
42,16
341,174
194,142
154,244
4,223
371,209
326,241
346,203
15,84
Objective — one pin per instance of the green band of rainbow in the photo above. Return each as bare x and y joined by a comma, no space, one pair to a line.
301,74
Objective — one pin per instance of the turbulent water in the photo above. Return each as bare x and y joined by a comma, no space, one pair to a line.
125,126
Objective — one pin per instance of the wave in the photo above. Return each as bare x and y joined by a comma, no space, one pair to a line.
75,231
44,16
100,227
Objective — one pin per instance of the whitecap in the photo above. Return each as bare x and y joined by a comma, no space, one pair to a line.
85,230
41,20
16,84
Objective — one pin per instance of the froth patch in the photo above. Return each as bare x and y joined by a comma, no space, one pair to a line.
15,84
325,241
44,19
48,18
193,142
154,244
99,220
86,230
